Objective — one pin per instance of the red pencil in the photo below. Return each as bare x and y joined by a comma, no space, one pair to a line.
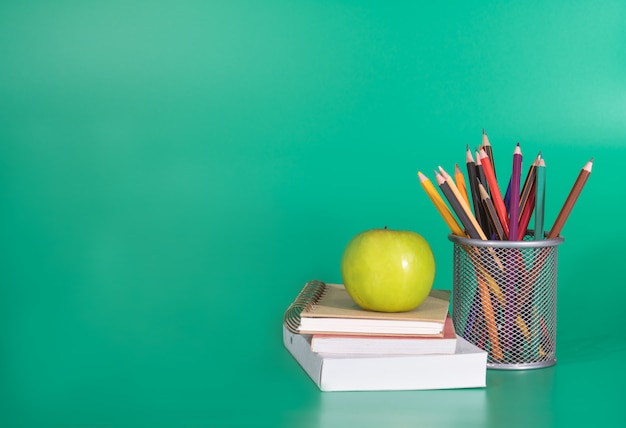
486,145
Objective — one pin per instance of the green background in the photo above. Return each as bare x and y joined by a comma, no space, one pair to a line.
172,173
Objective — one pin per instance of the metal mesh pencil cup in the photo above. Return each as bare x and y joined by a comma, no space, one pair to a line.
504,299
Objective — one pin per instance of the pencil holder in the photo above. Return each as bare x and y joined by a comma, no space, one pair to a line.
504,299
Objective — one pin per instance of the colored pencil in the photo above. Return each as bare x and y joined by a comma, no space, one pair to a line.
515,196
527,199
462,210
486,145
496,196
571,200
529,182
526,214
441,206
490,318
491,212
460,183
471,174
480,174
464,205
471,316
540,198
457,207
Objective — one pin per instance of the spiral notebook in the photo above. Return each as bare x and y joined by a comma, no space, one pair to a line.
328,308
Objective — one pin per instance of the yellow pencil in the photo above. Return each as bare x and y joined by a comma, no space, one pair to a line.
440,205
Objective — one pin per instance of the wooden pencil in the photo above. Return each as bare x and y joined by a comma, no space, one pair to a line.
528,199
540,198
490,318
480,174
491,212
471,174
515,193
571,200
457,207
529,182
480,171
459,179
486,145
464,205
526,214
496,196
441,206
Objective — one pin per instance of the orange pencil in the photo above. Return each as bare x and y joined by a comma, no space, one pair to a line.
496,196
460,183
490,318
571,200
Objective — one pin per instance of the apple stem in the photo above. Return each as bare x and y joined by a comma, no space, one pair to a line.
385,227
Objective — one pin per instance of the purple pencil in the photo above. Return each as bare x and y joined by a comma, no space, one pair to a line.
515,189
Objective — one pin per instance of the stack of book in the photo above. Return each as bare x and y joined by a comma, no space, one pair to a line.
345,348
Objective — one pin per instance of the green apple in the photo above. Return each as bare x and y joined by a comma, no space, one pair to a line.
388,270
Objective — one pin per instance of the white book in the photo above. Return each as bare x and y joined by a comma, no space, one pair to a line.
466,368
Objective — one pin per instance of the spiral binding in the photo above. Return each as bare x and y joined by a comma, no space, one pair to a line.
308,296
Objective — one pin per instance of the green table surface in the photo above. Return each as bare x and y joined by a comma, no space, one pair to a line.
172,173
